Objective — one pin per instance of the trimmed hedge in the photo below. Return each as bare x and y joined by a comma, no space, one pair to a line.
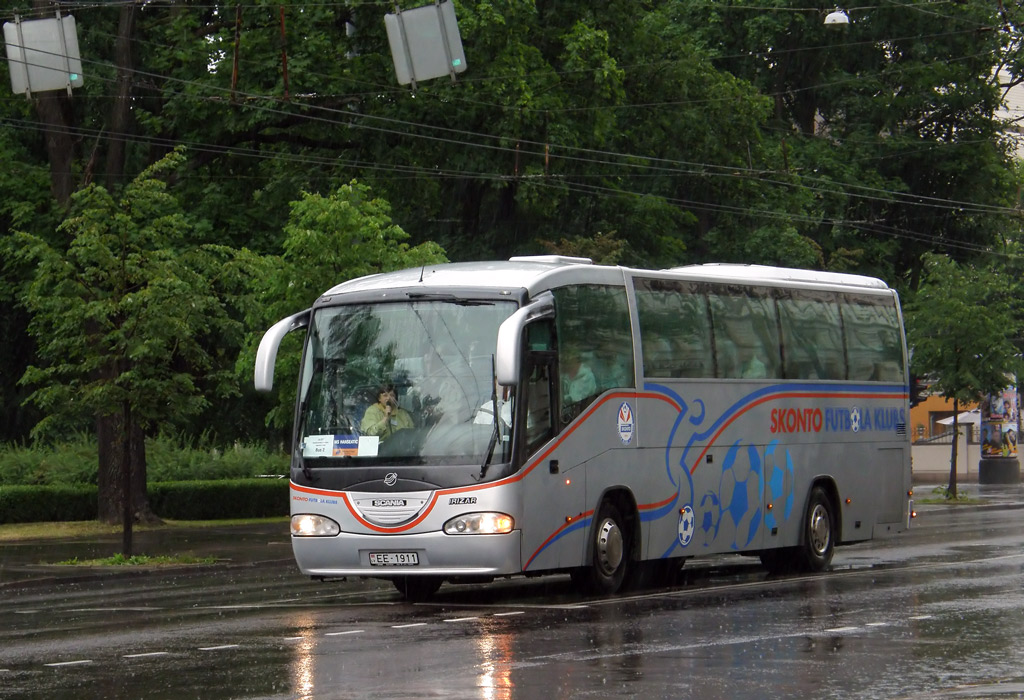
47,504
174,500
220,499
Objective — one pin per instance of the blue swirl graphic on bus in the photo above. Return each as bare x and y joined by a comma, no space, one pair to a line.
731,511
781,491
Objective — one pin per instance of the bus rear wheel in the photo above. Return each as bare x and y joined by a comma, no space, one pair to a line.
610,553
819,533
417,587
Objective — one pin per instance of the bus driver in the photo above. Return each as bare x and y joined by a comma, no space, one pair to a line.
385,417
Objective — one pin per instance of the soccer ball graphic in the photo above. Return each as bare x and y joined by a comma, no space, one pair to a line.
740,494
855,420
686,524
710,517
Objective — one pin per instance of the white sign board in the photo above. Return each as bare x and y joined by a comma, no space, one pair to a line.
425,43
42,54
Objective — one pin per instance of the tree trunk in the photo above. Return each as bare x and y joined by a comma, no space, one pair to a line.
54,111
126,482
111,439
120,444
951,491
53,108
120,111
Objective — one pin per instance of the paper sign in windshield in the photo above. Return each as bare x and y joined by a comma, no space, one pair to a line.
340,446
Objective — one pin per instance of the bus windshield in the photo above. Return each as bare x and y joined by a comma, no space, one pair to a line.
408,382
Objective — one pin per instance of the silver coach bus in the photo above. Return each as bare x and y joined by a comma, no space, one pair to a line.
467,421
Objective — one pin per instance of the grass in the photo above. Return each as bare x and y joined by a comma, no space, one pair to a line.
15,532
139,560
941,495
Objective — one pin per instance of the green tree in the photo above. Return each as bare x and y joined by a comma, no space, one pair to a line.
888,126
961,328
120,318
732,131
328,240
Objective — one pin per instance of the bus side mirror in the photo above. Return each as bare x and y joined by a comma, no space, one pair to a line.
266,355
507,358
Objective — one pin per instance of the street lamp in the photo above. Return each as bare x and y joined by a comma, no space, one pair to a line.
837,17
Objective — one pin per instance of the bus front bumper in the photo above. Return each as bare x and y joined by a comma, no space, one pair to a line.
432,553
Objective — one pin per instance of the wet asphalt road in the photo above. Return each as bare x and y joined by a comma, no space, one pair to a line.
937,611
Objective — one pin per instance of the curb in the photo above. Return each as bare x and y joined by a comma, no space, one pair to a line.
52,574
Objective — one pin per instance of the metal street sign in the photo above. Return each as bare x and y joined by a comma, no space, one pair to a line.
42,54
425,43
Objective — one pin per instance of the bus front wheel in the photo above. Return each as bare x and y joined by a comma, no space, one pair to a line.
819,533
610,553
417,587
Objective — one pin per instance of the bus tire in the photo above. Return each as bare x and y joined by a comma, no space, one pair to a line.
819,533
779,561
417,588
610,553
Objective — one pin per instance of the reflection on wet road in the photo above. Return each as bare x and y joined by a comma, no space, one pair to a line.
937,611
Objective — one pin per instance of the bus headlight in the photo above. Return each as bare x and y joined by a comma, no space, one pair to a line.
309,525
479,524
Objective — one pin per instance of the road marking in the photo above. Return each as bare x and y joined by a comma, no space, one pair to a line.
293,639
507,614
88,610
836,630
877,624
145,654
218,648
339,634
462,619
80,662
921,617
414,624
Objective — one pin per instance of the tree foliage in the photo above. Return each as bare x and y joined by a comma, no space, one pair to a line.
120,316
328,240
654,134
962,326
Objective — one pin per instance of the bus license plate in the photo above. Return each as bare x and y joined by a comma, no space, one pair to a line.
394,559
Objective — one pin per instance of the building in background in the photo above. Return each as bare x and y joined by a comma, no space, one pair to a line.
925,419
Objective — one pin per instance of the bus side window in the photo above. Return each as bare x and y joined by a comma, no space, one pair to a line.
595,347
539,403
746,333
811,336
675,329
872,339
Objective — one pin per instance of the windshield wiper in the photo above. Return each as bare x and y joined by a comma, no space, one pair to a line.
495,434
450,298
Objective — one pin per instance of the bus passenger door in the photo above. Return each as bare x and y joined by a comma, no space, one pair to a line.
553,492
539,418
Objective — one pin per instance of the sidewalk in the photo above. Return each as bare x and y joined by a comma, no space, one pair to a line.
32,562
25,562
1006,496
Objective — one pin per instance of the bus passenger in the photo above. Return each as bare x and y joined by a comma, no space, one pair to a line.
578,381
385,417
612,366
750,366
